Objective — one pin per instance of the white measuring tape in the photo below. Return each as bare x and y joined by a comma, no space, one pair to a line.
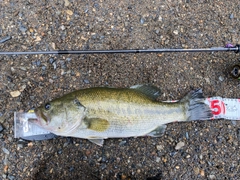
224,108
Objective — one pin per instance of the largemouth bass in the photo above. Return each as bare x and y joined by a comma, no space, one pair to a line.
100,113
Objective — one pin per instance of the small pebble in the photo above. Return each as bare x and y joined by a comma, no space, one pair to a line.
38,63
13,70
179,145
175,32
88,152
15,93
212,176
1,128
177,167
66,3
62,27
234,122
104,158
187,136
20,145
202,173
11,177
23,68
54,65
160,18
122,143
71,169
51,60
44,68
157,159
31,30
23,87
69,59
231,16
69,12
221,78
54,77
159,147
65,144
164,159
103,166
86,81
62,63
96,5
9,79
142,20
173,153
22,29
51,171
20,14
38,38
207,80
196,170
72,73
30,144
5,150
238,133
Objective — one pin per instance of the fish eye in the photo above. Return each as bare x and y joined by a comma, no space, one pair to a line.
47,106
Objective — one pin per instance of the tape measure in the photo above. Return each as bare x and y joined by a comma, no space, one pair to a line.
224,108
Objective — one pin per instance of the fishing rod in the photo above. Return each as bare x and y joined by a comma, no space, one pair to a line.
235,72
228,47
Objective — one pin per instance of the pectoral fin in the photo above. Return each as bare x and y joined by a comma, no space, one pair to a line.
98,142
159,131
97,124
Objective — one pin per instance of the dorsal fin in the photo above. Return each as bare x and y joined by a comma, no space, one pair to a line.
149,90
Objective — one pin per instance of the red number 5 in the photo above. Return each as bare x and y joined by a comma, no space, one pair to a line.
216,107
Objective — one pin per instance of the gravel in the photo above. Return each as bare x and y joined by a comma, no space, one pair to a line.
211,148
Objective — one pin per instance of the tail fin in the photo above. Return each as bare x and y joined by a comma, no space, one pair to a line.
195,106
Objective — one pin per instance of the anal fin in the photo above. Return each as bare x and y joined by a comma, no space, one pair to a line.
158,132
98,142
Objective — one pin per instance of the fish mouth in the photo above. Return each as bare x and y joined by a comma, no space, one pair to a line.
40,117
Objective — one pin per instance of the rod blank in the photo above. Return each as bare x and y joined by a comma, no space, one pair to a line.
235,49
